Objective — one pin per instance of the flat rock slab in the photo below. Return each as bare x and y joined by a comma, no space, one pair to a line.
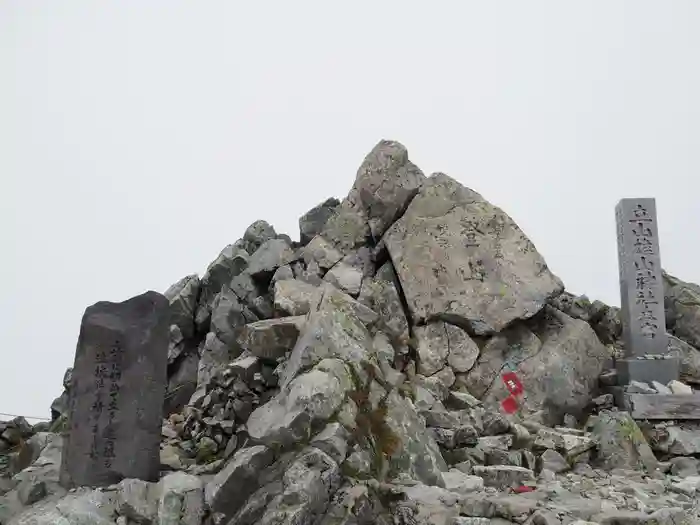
462,260
116,397
663,406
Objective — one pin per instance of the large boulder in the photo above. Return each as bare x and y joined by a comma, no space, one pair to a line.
231,262
313,221
415,451
183,297
465,261
300,408
333,330
682,303
557,358
385,183
620,442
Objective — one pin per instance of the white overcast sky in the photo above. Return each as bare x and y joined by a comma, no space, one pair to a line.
137,138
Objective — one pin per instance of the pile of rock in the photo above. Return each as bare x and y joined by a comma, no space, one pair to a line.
354,377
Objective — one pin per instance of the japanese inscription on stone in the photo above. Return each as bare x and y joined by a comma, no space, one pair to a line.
641,284
116,397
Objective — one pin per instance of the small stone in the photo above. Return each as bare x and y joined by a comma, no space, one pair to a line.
661,388
293,296
689,486
552,460
503,476
679,388
333,440
684,467
462,400
206,449
30,491
458,481
639,387
503,442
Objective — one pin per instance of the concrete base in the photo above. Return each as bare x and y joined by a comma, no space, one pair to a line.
647,370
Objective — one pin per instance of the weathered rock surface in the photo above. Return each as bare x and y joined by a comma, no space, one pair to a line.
559,359
462,260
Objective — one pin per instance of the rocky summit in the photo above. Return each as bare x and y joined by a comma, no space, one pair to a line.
411,360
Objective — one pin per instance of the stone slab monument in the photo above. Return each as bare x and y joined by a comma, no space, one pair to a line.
647,356
117,391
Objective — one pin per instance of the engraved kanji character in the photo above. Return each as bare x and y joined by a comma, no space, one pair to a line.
644,263
649,329
641,214
645,280
642,230
98,405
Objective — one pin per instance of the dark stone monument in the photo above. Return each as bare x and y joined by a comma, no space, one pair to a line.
116,395
647,356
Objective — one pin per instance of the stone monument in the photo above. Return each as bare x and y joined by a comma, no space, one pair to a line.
117,390
647,357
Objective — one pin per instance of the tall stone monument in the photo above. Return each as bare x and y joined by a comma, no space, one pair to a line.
647,356
117,390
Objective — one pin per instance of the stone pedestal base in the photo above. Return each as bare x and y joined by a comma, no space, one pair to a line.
662,406
647,370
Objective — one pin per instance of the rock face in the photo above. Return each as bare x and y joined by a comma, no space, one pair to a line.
463,260
117,392
356,377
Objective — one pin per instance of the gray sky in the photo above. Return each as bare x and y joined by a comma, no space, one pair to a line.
137,139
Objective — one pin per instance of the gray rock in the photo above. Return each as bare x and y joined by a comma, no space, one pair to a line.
620,443
684,467
679,388
30,491
258,234
270,339
182,383
333,440
231,262
558,359
345,277
231,487
383,297
661,388
553,461
322,252
293,297
440,344
180,500
504,476
682,442
229,315
637,387
428,505
313,221
331,331
214,356
568,444
271,255
415,452
459,482
84,507
301,496
117,392
682,303
290,417
183,296
385,184
465,261
689,359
